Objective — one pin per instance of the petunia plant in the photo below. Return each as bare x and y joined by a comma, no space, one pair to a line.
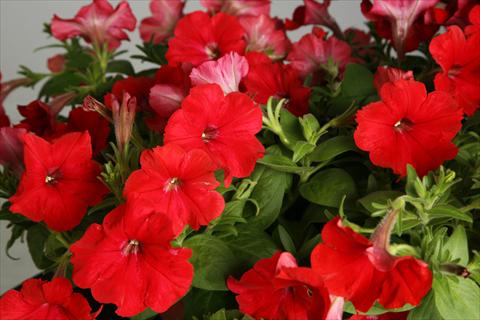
243,173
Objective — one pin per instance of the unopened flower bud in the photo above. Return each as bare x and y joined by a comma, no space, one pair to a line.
92,104
123,119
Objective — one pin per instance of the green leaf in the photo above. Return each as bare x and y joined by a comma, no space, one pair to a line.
331,148
250,245
280,163
213,262
199,302
286,240
291,126
457,297
120,66
310,127
145,315
380,197
301,149
328,187
426,310
448,211
268,194
376,309
36,238
457,245
60,83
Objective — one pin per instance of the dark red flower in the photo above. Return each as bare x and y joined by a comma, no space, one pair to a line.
128,261
390,74
266,80
40,119
60,181
159,27
402,21
363,271
98,23
384,316
311,54
460,62
313,12
45,300
11,148
224,126
263,35
238,7
181,184
56,63
172,86
4,120
361,43
138,87
276,288
409,127
80,120
199,37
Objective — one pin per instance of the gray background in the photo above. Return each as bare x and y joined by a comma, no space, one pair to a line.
21,24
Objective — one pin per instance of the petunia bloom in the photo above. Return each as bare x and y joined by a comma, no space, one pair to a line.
45,300
227,72
4,120
159,27
80,120
238,7
458,57
98,23
263,35
128,261
276,288
389,74
397,19
199,38
60,181
224,126
266,80
363,271
313,12
138,87
180,183
312,53
474,17
11,148
409,127
56,63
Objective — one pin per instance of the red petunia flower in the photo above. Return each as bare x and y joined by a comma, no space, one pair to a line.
181,184
45,300
474,17
172,86
56,63
460,64
159,27
80,120
401,21
311,53
263,35
138,87
390,74
409,127
276,288
60,181
363,271
129,261
384,316
11,148
266,80
224,126
98,23
238,7
4,120
227,72
40,119
199,38
313,12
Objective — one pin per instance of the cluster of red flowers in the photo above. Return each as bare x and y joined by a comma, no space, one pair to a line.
222,66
